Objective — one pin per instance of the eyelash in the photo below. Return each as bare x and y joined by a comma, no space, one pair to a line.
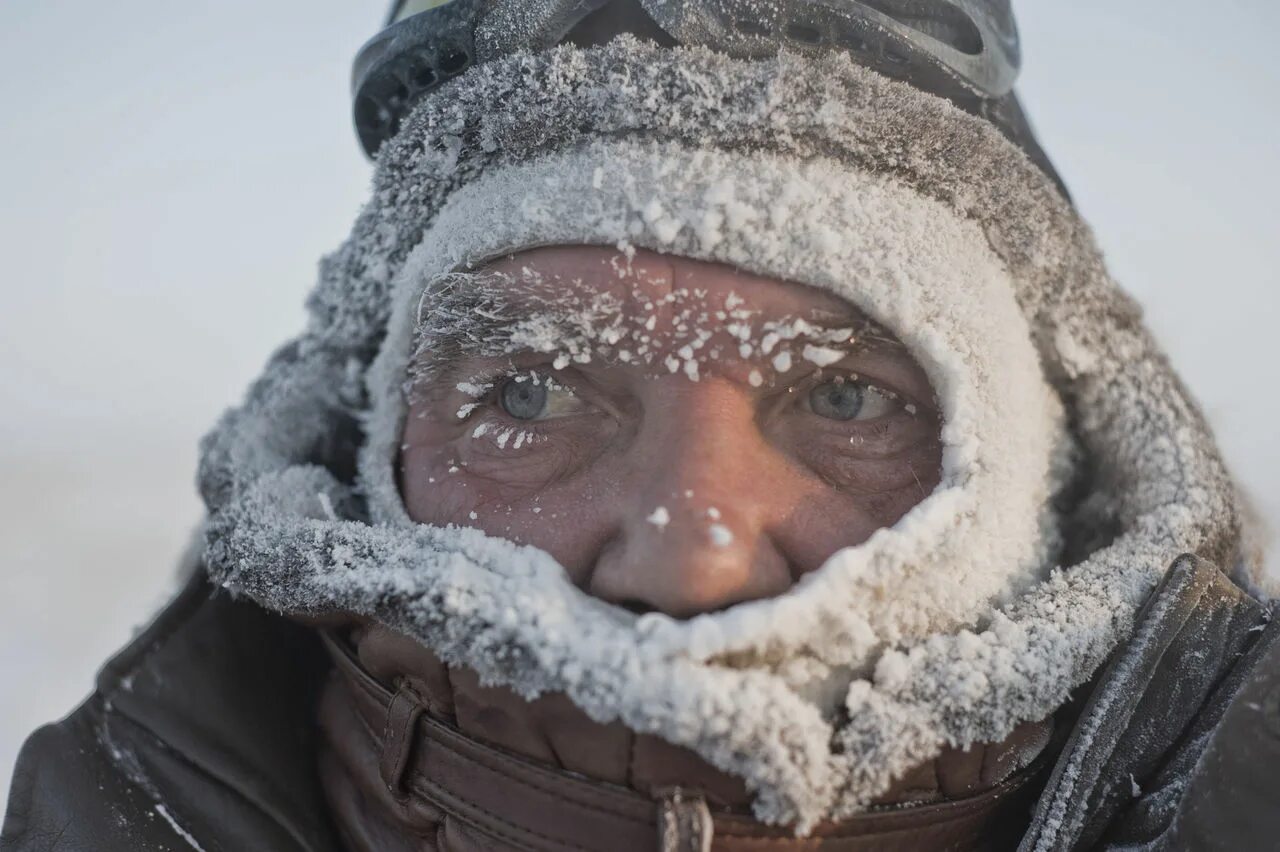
821,377
524,434
492,383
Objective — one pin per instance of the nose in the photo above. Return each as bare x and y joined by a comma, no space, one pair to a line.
693,527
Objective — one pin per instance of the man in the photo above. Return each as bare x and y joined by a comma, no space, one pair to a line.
696,450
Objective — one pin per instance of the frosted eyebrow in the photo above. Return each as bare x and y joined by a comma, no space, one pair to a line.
491,314
485,314
460,316
454,320
488,315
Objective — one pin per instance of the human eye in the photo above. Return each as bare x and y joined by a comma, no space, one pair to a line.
532,396
847,398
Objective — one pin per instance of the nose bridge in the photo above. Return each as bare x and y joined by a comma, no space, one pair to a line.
704,450
694,535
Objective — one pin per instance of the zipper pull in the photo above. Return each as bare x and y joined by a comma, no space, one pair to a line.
684,822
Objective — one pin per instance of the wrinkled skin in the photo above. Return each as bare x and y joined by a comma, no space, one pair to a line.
654,489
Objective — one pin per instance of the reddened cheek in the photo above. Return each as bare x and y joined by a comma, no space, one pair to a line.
518,474
828,520
559,519
431,494
499,459
898,453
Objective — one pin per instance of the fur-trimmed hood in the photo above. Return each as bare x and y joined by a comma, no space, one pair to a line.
996,596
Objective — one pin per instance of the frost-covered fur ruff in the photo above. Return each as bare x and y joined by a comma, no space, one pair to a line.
948,628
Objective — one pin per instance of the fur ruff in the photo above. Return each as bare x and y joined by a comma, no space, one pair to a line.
1149,483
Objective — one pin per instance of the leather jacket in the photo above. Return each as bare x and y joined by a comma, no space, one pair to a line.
203,733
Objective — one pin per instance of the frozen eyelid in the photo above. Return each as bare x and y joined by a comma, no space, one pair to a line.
877,403
845,398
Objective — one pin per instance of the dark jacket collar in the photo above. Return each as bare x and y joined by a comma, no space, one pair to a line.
202,732
203,725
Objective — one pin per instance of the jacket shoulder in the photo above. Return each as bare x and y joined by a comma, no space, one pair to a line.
1232,798
1122,778
69,794
200,734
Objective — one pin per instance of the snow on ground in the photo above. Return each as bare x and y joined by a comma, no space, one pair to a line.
166,206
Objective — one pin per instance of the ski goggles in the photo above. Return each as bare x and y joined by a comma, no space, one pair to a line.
964,50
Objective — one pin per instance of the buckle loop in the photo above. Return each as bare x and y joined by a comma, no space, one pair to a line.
398,738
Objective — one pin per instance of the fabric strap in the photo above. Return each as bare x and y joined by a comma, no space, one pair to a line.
426,766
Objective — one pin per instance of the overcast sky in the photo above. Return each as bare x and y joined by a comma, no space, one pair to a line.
171,173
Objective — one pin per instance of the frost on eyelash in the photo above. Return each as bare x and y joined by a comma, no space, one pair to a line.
478,386
523,437
821,355
474,390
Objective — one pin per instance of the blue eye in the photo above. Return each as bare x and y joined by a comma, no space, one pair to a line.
523,400
842,399
836,400
533,396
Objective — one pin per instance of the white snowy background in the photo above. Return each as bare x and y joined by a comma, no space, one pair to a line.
171,172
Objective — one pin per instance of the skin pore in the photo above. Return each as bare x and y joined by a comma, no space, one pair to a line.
681,436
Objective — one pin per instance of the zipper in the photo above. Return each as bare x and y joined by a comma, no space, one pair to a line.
684,821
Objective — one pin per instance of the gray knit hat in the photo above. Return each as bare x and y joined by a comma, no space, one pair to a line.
1075,465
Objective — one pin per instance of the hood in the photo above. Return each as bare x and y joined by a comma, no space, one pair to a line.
1075,464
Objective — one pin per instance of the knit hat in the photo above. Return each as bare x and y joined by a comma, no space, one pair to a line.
1075,466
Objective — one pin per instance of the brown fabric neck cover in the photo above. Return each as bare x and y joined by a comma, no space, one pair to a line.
440,762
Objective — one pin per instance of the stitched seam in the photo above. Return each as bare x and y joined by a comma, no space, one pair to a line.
549,787
428,790
386,738
552,793
631,759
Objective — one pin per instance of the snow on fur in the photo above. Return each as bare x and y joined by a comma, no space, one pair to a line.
708,135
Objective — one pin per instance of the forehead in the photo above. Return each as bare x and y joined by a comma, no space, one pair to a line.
642,310
645,281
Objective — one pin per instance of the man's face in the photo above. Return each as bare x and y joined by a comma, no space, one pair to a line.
679,435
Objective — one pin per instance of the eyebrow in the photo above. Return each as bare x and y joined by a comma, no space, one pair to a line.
459,312
464,315
482,314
